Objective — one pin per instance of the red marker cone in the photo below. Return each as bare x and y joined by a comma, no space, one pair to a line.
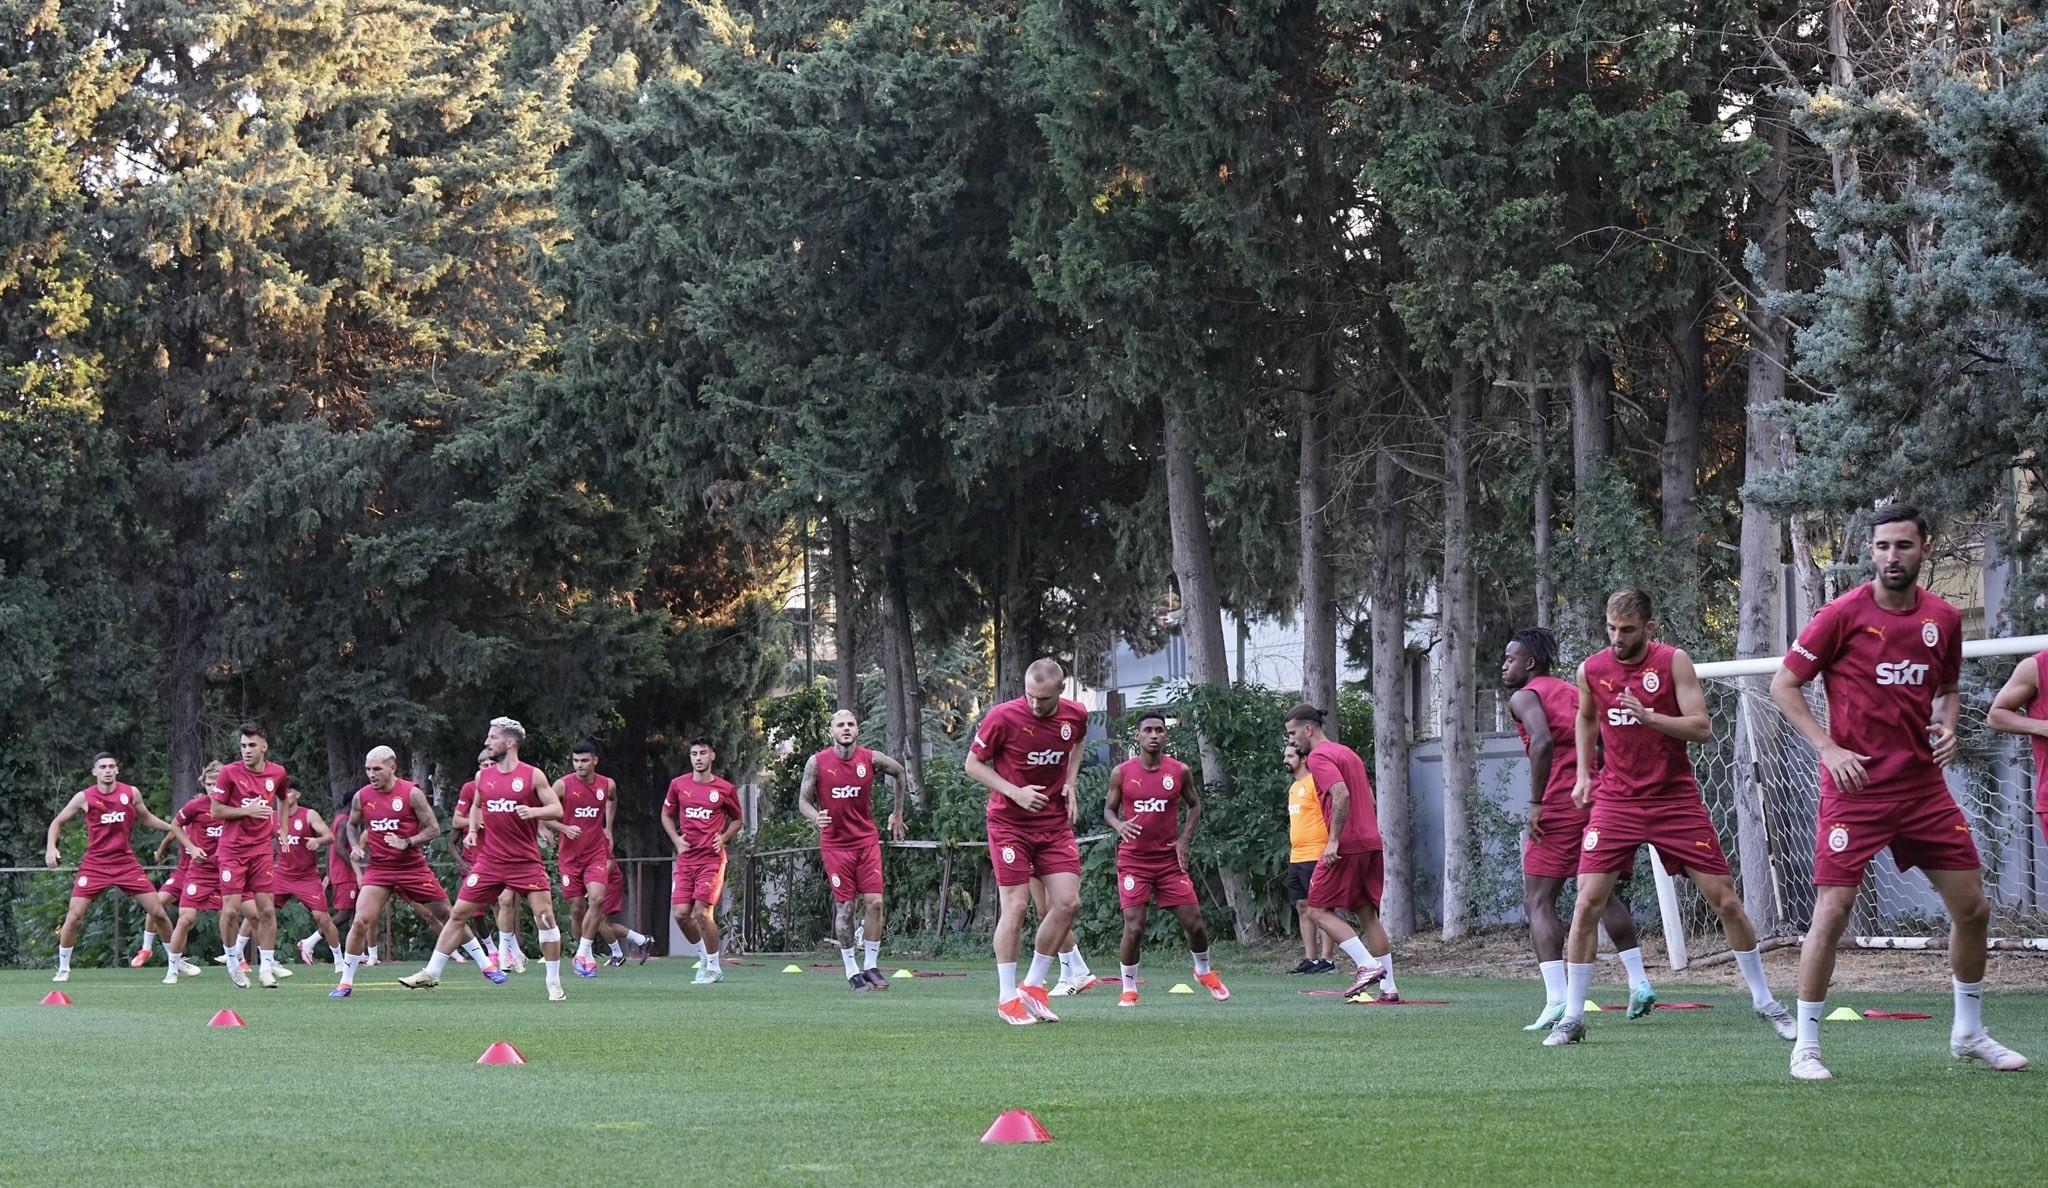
1016,1126
225,1019
501,1053
56,998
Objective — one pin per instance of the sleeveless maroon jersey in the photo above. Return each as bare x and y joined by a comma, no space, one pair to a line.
200,826
110,826
1151,799
507,839
846,791
2039,709
1636,761
1560,701
294,848
583,804
389,814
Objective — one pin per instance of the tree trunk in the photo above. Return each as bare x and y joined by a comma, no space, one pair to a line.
188,700
1460,613
1194,570
1016,614
844,599
1683,410
1318,574
1390,730
899,665
1543,509
344,765
1592,380
1842,158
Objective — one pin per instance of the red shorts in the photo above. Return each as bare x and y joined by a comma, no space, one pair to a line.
1140,881
201,890
1929,832
414,884
1677,825
577,876
1556,854
1349,880
484,884
1020,857
95,881
246,874
307,891
853,871
698,879
344,896
614,891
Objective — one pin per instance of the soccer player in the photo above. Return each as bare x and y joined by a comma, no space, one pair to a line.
583,855
701,815
1143,807
508,904
344,887
849,843
1891,654
1307,833
1640,703
513,799
613,928
297,873
1546,710
2022,708
1352,870
390,825
245,796
111,809
1026,752
195,878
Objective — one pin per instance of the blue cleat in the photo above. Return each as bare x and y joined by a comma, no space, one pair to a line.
1640,1000
496,975
341,992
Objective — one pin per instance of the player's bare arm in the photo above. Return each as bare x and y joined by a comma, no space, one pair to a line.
321,834
1948,710
1586,737
724,837
72,808
354,832
1691,723
611,813
170,829
550,805
901,774
1845,767
430,825
1030,798
1113,806
1528,710
1184,845
807,794
668,826
1073,786
2009,708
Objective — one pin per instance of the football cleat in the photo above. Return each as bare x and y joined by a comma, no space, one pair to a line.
646,951
63,975
1127,998
140,959
1780,1019
585,967
859,984
305,952
706,977
420,981
1324,965
1548,1019
556,993
244,965
493,974
342,991
874,978
1368,977
266,978
1806,1065
1307,966
238,975
518,962
1640,1000
1037,1003
282,971
188,970
1980,1046
1567,1031
617,959
1067,988
171,978
220,958
1015,1013
1217,990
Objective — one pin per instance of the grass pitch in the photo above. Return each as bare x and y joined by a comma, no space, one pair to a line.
785,1079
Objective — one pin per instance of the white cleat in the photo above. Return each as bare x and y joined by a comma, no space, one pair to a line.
1780,1019
237,976
305,952
171,978
420,981
1567,1031
188,970
1806,1066
1548,1019
282,971
266,978
556,993
518,962
1980,1046
63,975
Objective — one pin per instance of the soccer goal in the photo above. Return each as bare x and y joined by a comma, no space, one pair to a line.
1762,784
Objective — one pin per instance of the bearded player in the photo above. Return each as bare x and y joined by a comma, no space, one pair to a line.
848,842
1640,703
1545,711
513,799
111,809
583,851
1027,752
1891,654
1143,807
300,836
701,815
245,796
1352,871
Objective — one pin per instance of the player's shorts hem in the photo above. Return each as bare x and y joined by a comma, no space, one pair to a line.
1019,857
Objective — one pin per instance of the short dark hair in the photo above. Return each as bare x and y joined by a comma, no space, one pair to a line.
103,755
1306,712
254,729
1900,513
584,746
1150,714
1631,602
1541,646
701,741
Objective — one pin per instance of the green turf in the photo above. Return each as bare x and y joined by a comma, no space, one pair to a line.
778,1078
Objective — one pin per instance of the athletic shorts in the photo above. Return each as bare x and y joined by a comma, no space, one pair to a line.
1678,826
853,871
615,891
1020,856
1140,881
1348,881
201,890
576,876
413,884
485,883
698,879
1298,876
246,874
308,891
1929,832
344,896
95,881
1556,854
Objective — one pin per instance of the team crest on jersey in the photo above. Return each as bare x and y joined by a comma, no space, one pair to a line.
1929,633
227,877
860,770
1652,682
299,825
518,785
397,803
1009,855
714,796
1167,783
600,794
123,797
270,785
1066,731
191,888
1838,838
1592,838
1130,884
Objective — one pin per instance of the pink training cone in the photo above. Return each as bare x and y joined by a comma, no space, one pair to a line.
501,1053
56,998
225,1019
1016,1126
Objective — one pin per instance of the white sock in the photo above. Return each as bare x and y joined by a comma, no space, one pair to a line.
1041,963
174,959
1578,982
1355,949
310,940
583,947
63,959
475,951
852,963
554,971
349,962
1130,978
372,954
507,943
616,950
1386,963
1201,960
240,946
871,952
1752,963
1006,981
710,958
266,958
636,938
437,963
1072,965
149,942
1809,1026
1553,982
1969,1008
1632,961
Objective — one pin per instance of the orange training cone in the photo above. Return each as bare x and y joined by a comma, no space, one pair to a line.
1016,1126
225,1019
501,1053
56,998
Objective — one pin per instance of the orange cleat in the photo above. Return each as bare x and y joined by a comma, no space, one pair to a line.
1035,1000
1217,990
1127,998
1014,1013
140,959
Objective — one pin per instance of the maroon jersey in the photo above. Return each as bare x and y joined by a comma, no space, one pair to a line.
2038,708
583,803
846,791
1333,763
389,814
198,823
1560,700
700,810
341,877
1637,761
1880,670
1026,749
237,785
295,859
110,826
1151,800
505,839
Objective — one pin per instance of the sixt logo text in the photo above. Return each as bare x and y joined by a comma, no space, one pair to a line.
1154,805
1044,758
1903,672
